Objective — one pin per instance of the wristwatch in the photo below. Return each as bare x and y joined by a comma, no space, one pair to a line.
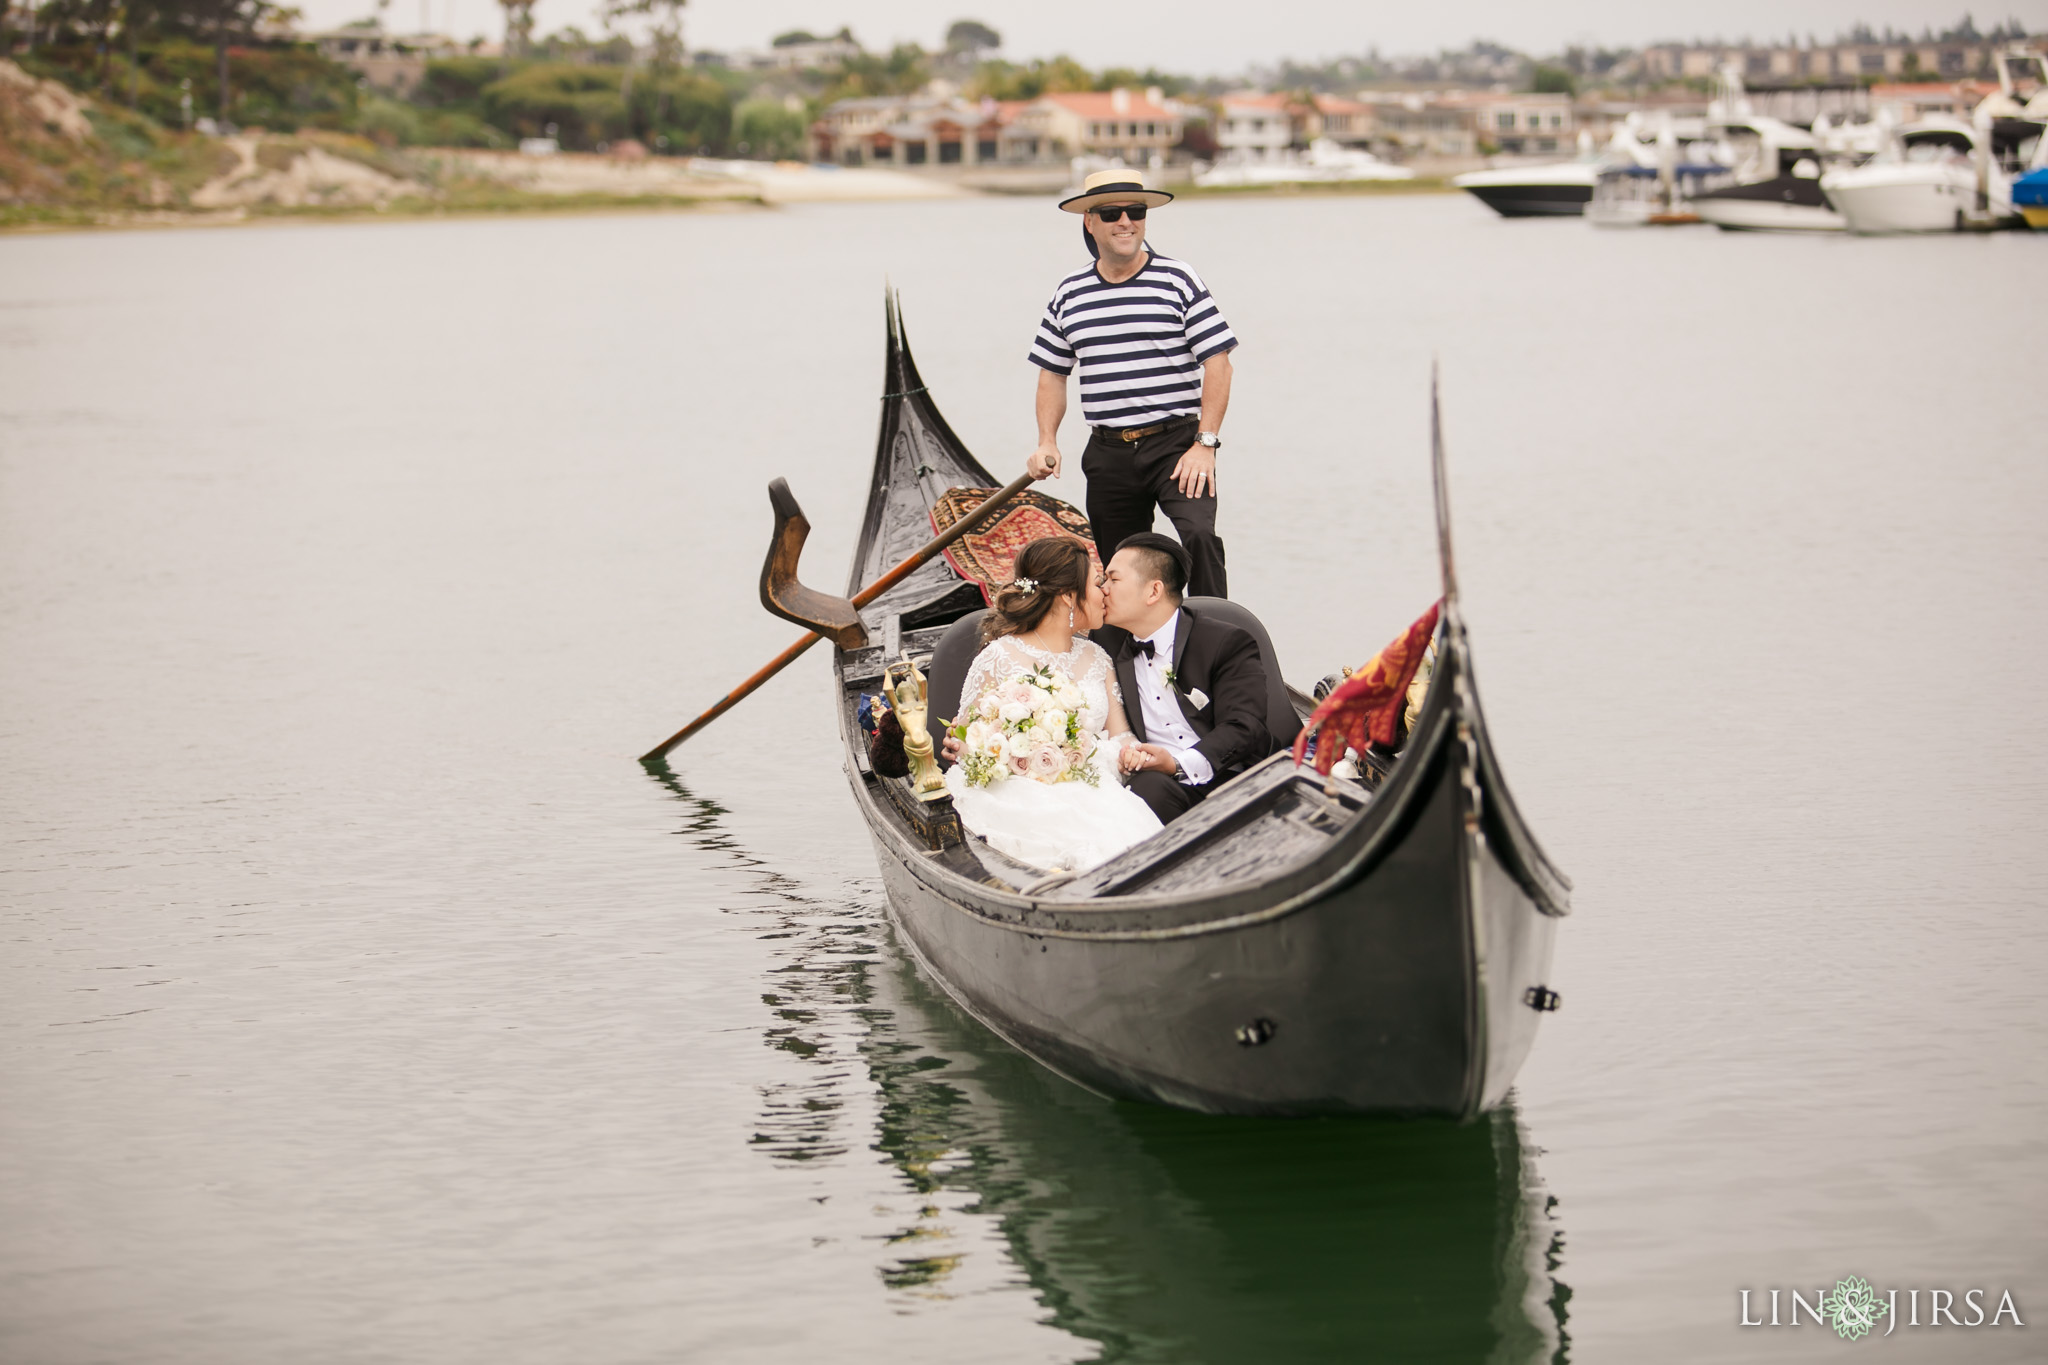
1209,439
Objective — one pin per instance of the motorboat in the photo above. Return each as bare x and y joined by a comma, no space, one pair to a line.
1937,175
1792,202
1661,194
1776,165
1553,189
2030,197
2030,190
1325,162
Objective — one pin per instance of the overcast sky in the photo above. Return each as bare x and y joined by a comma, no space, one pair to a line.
1203,37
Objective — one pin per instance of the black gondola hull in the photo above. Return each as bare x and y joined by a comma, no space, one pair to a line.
1403,988
1279,950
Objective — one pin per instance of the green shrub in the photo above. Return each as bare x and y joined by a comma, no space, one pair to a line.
457,128
457,82
766,129
389,123
687,109
582,102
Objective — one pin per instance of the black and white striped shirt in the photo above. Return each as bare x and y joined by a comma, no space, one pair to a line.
1140,344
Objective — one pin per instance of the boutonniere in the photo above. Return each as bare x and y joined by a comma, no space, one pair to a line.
1172,678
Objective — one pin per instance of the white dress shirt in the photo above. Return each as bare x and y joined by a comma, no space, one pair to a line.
1165,723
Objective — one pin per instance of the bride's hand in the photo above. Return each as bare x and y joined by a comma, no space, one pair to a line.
1139,758
952,748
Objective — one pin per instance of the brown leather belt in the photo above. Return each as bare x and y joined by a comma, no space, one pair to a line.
1132,434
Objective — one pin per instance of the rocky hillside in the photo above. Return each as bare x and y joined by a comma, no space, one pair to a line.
62,158
68,160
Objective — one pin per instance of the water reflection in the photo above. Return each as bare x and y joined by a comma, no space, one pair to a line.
1146,1233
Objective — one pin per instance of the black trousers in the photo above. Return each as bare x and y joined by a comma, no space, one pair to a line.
1169,797
1128,479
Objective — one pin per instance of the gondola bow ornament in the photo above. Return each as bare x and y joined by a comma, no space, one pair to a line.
1366,707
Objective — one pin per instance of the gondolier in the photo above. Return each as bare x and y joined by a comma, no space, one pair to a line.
1154,355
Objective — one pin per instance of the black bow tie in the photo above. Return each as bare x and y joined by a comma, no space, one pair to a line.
1144,647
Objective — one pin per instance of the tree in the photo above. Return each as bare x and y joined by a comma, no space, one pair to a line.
769,130
1553,80
666,29
518,26
972,37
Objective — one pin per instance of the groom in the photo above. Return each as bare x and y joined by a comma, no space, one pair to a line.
1194,689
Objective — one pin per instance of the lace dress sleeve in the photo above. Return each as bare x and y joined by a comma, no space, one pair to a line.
988,667
1115,720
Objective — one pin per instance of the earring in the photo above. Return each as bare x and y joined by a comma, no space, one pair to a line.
1070,618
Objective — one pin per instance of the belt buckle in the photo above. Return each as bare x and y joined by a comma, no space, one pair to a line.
1128,435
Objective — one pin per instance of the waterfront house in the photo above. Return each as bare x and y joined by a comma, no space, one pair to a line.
1253,126
1135,126
940,129
1524,125
1421,124
393,62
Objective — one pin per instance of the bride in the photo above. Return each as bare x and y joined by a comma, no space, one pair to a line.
1035,623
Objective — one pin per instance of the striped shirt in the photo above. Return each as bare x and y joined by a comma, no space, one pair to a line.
1140,344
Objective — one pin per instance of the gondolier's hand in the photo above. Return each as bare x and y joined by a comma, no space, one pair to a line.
952,748
1044,460
1148,758
1196,472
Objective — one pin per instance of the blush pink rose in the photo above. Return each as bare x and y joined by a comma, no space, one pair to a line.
1047,763
1020,762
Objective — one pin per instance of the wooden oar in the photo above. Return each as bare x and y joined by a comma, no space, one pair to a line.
786,564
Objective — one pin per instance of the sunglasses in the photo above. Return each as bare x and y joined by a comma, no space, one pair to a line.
1110,213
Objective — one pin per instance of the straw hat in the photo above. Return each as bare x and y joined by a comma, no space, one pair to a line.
1116,186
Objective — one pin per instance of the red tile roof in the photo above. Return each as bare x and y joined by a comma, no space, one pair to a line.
1101,104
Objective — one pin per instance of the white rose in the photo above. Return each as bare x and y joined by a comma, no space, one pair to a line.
988,707
1070,696
1014,711
1054,723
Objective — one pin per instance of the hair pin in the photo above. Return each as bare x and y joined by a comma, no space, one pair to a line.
1026,585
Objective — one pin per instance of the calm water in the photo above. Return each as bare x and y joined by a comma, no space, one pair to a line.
362,1000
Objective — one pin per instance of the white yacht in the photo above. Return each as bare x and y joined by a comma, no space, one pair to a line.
1937,175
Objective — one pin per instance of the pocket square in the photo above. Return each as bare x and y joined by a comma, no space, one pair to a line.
1198,697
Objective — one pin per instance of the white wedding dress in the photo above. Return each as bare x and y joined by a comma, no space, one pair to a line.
1070,825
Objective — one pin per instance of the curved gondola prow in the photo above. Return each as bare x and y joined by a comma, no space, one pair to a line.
913,433
1489,805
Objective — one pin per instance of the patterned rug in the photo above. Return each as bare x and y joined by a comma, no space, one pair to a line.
987,556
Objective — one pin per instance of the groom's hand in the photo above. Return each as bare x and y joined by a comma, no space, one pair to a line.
1196,472
1148,758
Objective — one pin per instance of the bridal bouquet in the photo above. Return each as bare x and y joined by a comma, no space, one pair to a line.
1028,725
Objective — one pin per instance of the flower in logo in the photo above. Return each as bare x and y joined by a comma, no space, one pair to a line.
1853,1308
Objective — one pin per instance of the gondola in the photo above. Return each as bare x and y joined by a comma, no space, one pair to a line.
1295,945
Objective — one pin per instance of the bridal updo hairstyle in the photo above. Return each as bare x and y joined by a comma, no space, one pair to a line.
1057,566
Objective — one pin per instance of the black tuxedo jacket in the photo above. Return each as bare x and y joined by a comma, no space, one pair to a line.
1223,663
